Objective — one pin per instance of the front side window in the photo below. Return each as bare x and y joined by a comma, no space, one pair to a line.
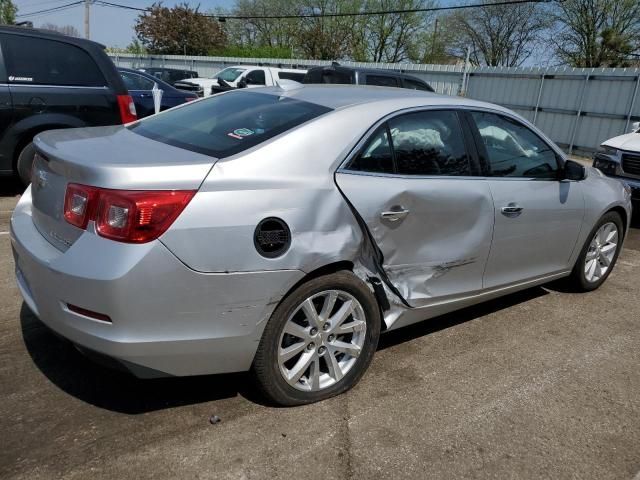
224,125
256,77
230,74
429,143
382,81
513,150
39,61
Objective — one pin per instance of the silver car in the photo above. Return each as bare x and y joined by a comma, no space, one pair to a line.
281,230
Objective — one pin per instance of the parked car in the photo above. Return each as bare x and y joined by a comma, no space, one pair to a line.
619,157
282,229
49,81
337,74
169,75
240,76
140,86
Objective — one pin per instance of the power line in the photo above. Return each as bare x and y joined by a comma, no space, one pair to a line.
50,10
332,15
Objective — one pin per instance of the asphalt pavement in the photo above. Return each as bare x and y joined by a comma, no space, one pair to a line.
539,384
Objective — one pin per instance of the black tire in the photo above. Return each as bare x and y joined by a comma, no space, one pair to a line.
266,370
578,280
25,163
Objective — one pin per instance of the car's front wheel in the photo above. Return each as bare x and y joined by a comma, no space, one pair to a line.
599,254
319,340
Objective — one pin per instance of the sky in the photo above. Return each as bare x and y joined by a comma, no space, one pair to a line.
110,26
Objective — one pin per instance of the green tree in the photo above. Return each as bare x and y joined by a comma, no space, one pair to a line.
178,30
597,33
8,12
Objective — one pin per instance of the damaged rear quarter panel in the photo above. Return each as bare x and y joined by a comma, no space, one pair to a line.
289,177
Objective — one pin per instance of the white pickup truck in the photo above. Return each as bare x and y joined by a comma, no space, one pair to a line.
239,76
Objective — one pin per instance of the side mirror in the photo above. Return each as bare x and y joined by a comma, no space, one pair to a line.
635,126
573,171
243,83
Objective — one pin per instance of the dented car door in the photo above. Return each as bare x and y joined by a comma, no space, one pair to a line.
413,185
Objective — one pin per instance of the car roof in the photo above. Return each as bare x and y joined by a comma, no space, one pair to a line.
337,96
48,34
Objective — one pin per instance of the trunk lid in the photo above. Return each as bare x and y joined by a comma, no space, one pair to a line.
107,157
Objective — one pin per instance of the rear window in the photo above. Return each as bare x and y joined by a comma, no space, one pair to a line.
227,124
40,61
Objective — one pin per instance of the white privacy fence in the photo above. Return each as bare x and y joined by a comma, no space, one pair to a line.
577,108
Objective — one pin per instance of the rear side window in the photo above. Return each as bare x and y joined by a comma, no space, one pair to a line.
228,124
40,61
328,75
382,80
429,143
297,76
416,85
376,157
136,82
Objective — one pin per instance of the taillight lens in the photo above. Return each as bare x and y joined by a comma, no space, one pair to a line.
127,109
131,216
78,203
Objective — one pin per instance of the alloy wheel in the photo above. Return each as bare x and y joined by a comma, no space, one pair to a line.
602,250
322,340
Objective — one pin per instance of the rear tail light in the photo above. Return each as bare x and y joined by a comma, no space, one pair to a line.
190,99
130,216
78,201
127,109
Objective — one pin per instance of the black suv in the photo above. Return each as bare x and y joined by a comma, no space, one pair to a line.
364,76
47,81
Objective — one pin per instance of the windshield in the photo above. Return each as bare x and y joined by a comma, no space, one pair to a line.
230,74
227,124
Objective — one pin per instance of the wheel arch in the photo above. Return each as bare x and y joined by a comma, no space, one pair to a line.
623,215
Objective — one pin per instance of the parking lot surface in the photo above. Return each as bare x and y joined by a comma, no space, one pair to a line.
539,384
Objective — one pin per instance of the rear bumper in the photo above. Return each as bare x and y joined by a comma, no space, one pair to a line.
166,318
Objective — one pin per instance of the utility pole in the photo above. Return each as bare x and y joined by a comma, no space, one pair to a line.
433,42
86,18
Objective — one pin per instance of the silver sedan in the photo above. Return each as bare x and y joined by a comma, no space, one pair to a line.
281,230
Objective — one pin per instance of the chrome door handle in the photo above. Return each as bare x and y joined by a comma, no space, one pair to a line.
397,213
512,210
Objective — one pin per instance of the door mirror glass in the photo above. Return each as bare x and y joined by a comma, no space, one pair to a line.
573,171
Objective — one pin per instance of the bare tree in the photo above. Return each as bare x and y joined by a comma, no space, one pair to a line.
69,30
596,33
499,35
395,37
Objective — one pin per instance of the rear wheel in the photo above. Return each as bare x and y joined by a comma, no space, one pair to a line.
25,162
319,341
599,254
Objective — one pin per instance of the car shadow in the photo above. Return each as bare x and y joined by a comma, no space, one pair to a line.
115,390
121,392
10,187
458,317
